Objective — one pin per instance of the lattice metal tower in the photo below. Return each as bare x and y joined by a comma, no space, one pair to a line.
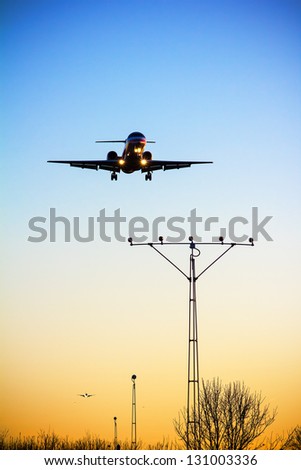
193,390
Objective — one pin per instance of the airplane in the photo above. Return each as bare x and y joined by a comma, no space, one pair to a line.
133,158
85,395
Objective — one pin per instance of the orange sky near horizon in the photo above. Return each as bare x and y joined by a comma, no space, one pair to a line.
83,340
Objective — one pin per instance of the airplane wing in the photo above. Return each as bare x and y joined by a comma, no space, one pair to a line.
153,165
109,165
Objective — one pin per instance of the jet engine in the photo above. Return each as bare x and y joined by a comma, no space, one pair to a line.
147,155
112,155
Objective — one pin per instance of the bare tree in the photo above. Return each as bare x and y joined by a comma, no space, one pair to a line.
230,417
293,441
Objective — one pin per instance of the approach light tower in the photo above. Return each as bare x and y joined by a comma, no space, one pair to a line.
193,383
134,415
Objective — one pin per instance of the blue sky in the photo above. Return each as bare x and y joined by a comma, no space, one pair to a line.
217,82
207,80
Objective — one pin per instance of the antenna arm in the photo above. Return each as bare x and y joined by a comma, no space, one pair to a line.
213,262
167,259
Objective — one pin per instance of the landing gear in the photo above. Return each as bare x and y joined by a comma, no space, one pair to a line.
148,176
113,177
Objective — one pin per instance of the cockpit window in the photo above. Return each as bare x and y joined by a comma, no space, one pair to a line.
136,134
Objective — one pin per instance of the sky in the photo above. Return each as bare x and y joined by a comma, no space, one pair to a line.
206,80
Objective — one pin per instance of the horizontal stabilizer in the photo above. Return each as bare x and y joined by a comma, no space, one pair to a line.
109,141
119,141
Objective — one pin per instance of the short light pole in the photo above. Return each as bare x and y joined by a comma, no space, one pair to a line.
193,388
134,415
115,432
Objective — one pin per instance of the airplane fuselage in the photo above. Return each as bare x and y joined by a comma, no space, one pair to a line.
134,145
132,155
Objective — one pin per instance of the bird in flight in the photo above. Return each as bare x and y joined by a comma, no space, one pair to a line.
85,395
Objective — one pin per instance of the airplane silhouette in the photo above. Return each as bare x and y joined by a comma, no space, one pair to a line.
133,158
85,395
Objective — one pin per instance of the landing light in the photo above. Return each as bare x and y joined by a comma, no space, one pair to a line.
137,149
143,162
121,161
